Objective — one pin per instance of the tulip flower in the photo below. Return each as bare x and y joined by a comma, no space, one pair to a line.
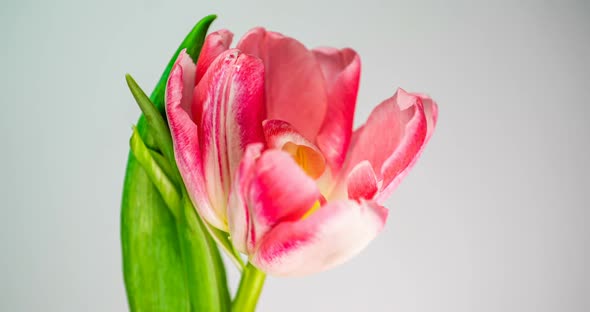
263,139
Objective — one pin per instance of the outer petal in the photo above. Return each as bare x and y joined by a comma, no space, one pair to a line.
232,96
330,236
238,215
341,70
185,135
278,191
431,112
393,138
362,182
215,43
295,90
396,165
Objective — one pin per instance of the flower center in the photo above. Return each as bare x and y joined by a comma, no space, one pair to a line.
311,161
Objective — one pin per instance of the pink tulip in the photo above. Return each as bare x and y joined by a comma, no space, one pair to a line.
264,142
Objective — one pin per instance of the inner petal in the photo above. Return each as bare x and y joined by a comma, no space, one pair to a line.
311,161
281,135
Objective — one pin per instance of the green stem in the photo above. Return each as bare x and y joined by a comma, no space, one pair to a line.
249,290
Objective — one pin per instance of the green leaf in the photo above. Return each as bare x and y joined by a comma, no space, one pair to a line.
223,289
158,127
152,261
164,165
157,176
193,44
207,287
153,267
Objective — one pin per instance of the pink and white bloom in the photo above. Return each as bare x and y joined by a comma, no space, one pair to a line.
264,141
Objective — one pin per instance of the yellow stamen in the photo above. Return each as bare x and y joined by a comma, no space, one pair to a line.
313,209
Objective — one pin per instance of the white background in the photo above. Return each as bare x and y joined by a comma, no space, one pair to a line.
493,218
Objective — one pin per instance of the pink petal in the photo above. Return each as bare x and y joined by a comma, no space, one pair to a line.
185,136
215,43
362,182
232,97
295,90
278,191
431,112
238,215
330,236
341,70
278,132
398,167
393,138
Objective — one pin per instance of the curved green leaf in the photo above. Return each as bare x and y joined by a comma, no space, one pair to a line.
152,261
153,245
207,287
193,44
158,127
157,176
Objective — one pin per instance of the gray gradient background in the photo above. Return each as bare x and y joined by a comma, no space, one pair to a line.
493,218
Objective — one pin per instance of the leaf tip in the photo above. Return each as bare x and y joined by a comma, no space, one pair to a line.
130,81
